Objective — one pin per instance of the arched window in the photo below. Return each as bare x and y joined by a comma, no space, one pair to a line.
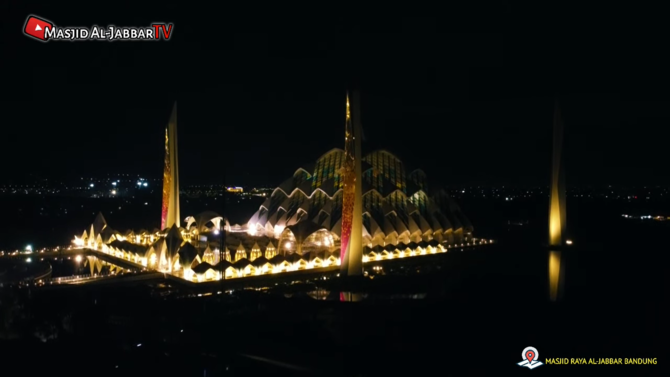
287,243
318,241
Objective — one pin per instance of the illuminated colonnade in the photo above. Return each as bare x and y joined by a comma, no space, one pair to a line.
299,247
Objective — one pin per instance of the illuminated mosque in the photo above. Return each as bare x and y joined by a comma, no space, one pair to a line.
345,210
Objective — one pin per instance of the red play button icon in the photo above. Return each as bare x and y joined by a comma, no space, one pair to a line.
35,27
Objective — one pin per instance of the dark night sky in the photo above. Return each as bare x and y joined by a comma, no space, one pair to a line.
467,108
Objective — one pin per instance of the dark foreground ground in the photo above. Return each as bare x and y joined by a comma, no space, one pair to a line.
480,325
481,310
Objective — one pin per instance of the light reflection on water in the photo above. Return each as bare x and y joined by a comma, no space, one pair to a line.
325,295
82,265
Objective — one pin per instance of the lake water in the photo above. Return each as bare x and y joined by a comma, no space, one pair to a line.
601,235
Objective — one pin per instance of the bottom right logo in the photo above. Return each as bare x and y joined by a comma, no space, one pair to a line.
530,358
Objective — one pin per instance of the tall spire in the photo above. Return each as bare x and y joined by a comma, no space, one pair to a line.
557,213
170,210
351,252
557,203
